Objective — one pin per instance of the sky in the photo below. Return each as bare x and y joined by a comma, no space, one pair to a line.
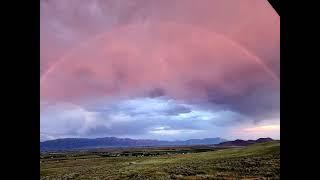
150,69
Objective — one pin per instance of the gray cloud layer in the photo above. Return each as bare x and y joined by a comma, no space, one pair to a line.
135,117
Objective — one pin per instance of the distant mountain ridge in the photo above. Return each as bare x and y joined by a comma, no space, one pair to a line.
240,142
85,143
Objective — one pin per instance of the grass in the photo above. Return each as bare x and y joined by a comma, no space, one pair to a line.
259,161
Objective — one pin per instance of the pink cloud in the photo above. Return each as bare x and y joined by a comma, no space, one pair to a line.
221,52
166,55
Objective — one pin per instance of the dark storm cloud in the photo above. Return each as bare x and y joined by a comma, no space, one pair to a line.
257,102
156,92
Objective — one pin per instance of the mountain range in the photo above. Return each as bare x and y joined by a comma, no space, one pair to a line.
240,142
85,143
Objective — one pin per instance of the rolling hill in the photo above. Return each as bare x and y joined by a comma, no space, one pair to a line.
257,161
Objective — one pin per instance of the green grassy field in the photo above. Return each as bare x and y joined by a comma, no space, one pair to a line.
259,161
